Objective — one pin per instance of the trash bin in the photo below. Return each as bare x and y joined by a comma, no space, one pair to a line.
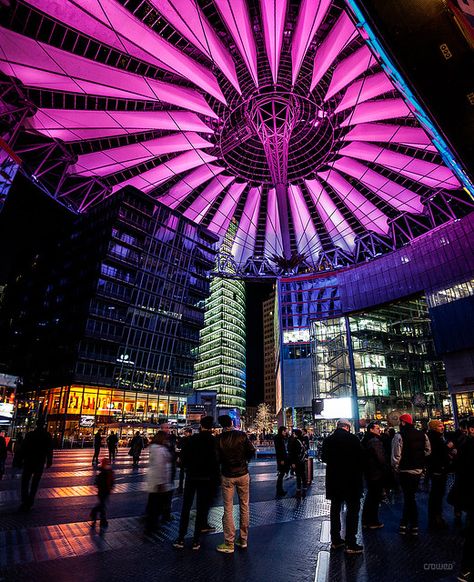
309,470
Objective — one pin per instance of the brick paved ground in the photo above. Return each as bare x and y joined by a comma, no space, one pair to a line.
289,538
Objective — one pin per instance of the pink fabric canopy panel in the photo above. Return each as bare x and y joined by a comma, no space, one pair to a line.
274,114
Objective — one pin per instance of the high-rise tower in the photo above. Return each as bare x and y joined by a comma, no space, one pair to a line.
221,364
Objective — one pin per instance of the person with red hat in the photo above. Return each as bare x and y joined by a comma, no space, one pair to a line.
410,448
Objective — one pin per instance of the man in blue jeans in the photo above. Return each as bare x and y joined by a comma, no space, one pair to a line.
234,451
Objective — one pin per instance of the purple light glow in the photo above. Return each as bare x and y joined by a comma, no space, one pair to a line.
427,173
338,228
112,24
155,177
397,196
377,110
414,137
67,125
185,186
273,16
307,238
121,158
183,15
349,69
366,213
245,237
340,35
365,89
310,17
39,65
221,220
201,205
273,238
236,17
157,88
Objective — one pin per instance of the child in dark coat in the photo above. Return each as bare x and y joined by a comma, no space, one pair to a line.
105,483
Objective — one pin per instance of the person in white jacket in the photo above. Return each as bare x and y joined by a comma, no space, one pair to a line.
158,481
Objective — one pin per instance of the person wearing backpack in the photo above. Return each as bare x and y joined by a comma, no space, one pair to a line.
298,455
105,483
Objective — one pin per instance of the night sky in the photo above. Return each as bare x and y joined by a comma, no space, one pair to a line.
256,294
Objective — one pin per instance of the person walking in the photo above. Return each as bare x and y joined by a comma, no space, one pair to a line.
298,456
105,483
234,452
17,462
281,453
438,464
37,450
158,481
136,447
342,453
97,445
199,459
376,469
3,453
410,448
112,442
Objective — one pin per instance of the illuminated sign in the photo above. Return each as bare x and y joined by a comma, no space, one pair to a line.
336,408
6,410
87,421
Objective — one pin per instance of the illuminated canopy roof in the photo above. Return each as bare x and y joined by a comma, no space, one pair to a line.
274,114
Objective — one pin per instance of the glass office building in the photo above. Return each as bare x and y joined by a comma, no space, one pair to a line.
388,353
120,325
221,365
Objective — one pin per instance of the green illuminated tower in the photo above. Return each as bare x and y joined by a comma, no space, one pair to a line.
221,362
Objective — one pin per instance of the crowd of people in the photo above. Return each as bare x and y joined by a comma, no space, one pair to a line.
379,462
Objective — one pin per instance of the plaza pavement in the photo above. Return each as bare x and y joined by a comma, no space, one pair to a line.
289,538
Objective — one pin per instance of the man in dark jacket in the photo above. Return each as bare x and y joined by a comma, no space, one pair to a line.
410,447
112,442
298,455
97,445
234,452
375,471
199,459
437,468
342,452
37,449
281,458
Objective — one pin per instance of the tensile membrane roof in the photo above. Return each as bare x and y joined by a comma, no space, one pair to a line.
274,115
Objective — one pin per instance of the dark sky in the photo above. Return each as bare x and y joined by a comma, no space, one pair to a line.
256,294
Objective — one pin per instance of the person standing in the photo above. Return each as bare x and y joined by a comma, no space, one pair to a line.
158,481
105,483
180,445
281,453
376,469
37,450
199,459
234,452
136,447
410,448
112,442
3,453
342,453
437,469
298,456
97,445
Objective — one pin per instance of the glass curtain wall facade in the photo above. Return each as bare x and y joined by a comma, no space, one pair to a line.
390,352
121,316
221,364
